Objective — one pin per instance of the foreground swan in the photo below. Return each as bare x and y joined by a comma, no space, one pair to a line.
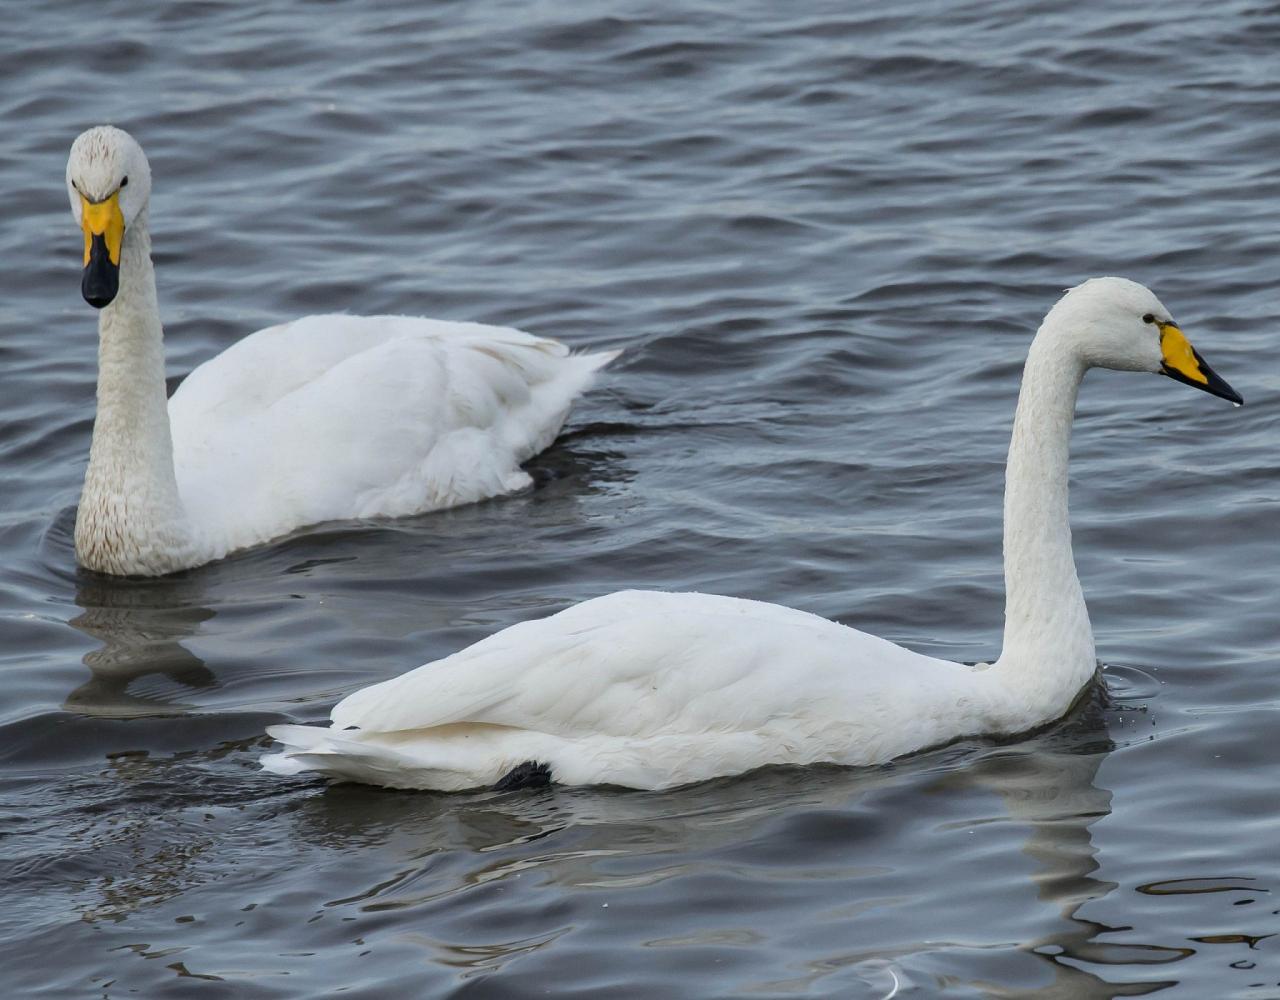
327,417
652,689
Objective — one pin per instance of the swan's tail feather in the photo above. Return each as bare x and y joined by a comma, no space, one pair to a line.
600,358
338,755
422,759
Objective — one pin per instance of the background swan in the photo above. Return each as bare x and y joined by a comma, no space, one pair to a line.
327,417
652,689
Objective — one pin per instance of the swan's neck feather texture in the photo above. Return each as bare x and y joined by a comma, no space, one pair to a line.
130,519
1048,653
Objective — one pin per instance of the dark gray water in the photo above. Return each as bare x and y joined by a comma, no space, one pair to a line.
824,233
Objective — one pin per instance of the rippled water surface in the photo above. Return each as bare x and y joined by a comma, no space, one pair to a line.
823,233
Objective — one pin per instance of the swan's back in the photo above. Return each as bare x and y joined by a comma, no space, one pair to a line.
340,416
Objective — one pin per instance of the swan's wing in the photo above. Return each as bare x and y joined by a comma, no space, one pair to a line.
640,664
340,416
264,367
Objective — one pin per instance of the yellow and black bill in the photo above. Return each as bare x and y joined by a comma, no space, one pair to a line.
1182,362
103,225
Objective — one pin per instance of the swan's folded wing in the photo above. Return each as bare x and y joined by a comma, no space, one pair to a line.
263,368
334,417
639,663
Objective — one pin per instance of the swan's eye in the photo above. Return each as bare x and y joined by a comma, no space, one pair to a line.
124,182
1148,318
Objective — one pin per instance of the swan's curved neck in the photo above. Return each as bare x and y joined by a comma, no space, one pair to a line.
1048,652
130,519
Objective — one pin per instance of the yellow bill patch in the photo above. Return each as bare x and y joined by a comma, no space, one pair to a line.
102,219
1178,355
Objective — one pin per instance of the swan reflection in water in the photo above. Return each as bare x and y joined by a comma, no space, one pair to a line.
1049,785
914,872
142,667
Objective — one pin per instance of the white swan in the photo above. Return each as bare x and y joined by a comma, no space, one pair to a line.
650,690
324,418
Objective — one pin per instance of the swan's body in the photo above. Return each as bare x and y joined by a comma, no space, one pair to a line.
352,416
648,690
651,690
324,418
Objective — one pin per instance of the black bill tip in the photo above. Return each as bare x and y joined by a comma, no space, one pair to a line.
101,279
1215,385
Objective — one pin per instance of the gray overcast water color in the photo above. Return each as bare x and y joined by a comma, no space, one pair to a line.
824,234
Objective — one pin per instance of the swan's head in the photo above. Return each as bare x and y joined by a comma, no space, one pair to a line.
109,183
1117,323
